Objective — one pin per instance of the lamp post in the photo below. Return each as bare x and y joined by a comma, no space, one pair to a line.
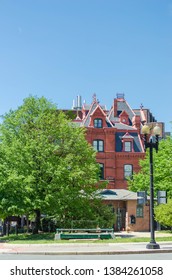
149,143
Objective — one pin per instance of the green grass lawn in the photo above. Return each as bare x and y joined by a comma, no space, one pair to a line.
45,238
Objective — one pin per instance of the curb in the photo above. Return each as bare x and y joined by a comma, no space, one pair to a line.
89,252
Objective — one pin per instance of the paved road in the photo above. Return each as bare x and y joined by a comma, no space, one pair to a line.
162,256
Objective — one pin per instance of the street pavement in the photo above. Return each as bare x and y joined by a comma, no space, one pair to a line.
88,248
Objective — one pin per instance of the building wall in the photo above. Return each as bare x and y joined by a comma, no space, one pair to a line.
142,223
113,161
125,209
119,123
120,119
121,160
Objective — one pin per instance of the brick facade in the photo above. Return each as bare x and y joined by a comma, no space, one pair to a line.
115,134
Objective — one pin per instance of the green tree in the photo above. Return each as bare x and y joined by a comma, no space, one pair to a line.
162,170
46,165
163,214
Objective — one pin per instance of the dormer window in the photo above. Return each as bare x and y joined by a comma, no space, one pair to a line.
127,142
98,123
124,118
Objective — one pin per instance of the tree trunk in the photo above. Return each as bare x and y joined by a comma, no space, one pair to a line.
7,228
37,222
27,224
4,227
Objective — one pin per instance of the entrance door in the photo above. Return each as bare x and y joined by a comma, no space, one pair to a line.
120,221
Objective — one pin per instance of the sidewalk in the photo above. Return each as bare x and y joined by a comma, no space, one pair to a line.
73,248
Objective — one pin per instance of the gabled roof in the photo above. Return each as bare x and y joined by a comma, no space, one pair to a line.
98,108
91,110
123,113
95,106
127,136
123,106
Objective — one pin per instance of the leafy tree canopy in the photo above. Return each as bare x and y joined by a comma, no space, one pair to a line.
162,170
46,165
163,214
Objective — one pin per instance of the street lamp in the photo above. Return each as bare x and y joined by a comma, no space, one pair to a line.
149,143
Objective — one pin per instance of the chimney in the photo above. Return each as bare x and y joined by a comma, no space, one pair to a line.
79,105
136,122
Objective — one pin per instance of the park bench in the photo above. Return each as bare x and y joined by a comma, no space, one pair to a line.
82,233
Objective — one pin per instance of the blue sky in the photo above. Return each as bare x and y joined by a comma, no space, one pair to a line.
63,48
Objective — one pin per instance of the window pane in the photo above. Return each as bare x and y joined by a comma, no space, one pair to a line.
139,211
101,171
100,148
98,123
127,146
98,145
95,144
128,170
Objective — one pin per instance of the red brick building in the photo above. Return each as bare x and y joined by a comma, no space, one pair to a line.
116,136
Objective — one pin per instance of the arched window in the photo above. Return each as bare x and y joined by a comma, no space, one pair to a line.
128,141
98,145
98,123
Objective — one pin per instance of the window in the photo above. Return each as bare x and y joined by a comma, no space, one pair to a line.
127,146
98,123
101,171
98,145
128,170
139,211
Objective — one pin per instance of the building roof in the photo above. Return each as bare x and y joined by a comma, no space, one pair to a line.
123,126
136,141
86,121
122,106
94,106
118,194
